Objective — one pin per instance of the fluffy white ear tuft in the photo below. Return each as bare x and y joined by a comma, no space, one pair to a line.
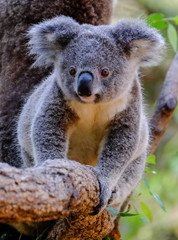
50,37
139,41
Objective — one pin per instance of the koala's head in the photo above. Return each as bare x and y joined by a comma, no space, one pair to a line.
94,63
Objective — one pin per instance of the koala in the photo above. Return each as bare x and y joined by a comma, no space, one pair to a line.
17,78
90,108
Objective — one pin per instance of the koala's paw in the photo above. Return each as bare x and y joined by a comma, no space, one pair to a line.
109,196
115,199
105,195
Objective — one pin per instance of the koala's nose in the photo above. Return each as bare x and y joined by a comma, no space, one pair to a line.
85,81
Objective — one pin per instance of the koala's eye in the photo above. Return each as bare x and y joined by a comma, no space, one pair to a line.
72,71
105,72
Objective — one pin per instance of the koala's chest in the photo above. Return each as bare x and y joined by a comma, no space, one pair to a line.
86,136
85,139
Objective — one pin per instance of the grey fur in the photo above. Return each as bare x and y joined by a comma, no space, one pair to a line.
108,129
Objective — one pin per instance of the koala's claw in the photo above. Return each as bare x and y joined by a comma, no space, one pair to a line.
107,197
98,208
105,194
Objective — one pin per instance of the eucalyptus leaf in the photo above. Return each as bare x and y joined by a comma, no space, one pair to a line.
124,214
156,20
172,36
155,195
158,199
113,211
155,17
175,20
146,210
147,169
143,219
159,24
151,159
147,184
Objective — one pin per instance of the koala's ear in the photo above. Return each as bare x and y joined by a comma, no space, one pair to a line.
138,41
49,37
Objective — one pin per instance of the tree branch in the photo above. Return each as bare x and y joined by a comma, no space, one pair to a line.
56,189
62,183
165,107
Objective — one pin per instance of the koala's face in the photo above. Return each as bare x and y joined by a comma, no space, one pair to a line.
91,69
94,63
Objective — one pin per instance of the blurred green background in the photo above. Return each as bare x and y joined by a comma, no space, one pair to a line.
164,182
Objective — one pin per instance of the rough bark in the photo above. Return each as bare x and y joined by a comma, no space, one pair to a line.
56,189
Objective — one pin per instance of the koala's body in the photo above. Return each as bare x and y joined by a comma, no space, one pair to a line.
90,109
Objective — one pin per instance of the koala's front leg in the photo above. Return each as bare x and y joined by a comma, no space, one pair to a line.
128,181
49,129
118,151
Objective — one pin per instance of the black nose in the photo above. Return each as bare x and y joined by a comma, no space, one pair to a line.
85,81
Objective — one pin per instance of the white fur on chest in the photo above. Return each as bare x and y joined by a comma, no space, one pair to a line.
87,134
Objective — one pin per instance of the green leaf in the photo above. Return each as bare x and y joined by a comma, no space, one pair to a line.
156,21
146,210
143,219
175,20
124,214
155,195
172,36
149,170
155,17
113,211
158,199
159,24
147,184
151,159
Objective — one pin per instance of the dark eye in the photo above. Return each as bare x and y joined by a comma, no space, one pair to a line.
105,72
72,71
